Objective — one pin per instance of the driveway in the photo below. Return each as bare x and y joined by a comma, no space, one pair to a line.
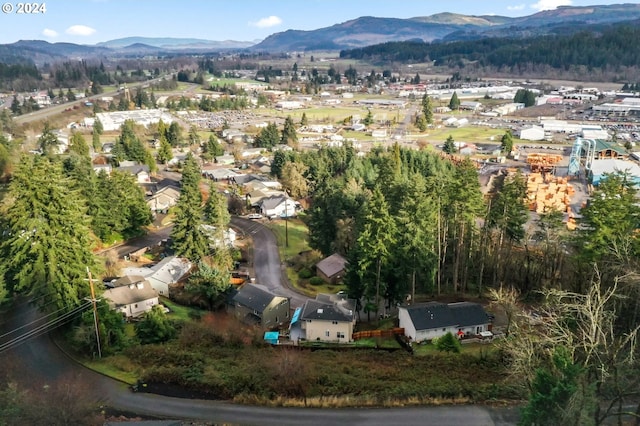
266,260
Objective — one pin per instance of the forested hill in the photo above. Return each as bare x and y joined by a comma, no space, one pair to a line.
608,49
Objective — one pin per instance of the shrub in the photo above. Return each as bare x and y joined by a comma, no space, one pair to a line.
316,281
305,273
448,343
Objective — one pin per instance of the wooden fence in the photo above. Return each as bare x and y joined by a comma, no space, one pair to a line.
377,333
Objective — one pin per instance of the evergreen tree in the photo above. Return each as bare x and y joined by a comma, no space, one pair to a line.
194,137
421,122
368,119
450,146
377,236
165,153
506,143
303,120
174,135
216,210
188,237
78,145
289,135
268,136
47,245
48,141
98,127
427,109
454,103
95,142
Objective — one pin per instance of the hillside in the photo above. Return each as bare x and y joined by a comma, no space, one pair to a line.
369,30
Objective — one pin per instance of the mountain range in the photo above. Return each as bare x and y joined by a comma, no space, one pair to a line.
360,32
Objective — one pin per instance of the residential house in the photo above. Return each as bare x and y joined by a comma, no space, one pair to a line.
139,171
278,206
327,318
425,321
163,199
168,271
226,239
132,299
331,269
254,303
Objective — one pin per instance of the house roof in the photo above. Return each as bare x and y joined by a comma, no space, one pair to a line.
325,308
169,270
169,191
255,297
134,170
430,315
273,201
332,265
132,293
127,280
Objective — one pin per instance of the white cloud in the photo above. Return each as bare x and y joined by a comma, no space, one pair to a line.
49,33
516,7
270,21
80,30
550,4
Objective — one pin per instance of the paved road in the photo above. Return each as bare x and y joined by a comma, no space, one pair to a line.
266,259
43,362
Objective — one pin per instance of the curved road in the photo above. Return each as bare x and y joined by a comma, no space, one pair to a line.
40,360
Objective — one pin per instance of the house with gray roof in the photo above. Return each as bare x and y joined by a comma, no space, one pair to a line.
327,318
331,269
168,271
255,304
132,296
277,206
426,321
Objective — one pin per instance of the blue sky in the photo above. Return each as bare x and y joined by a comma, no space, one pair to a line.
93,21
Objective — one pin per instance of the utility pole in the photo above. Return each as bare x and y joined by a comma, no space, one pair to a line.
286,222
95,312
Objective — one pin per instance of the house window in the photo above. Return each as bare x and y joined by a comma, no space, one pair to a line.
334,322
135,306
340,335
444,329
327,334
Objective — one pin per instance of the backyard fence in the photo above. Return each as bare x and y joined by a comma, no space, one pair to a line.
377,333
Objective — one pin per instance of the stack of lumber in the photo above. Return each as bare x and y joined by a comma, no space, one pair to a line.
548,193
540,162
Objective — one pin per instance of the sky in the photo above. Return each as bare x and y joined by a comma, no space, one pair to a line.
94,21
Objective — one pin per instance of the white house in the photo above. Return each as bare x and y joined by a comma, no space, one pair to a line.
277,206
426,321
328,318
533,133
132,299
164,273
164,198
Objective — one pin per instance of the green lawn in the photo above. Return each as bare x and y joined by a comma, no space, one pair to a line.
295,232
180,312
465,134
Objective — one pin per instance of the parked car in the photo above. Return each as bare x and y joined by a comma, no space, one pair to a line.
254,216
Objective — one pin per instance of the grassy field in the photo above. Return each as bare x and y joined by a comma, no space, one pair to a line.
465,134
297,232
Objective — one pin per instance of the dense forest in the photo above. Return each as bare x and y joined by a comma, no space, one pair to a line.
612,49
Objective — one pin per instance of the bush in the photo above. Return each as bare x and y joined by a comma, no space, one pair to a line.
305,273
316,281
448,343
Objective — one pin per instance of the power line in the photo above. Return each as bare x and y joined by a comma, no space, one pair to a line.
42,329
34,321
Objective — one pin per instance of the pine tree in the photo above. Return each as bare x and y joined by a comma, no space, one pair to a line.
48,141
98,127
506,143
78,145
188,237
303,120
216,211
421,122
47,248
164,151
376,238
289,135
454,103
450,145
427,109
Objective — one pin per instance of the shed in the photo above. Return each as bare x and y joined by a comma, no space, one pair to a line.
331,269
271,337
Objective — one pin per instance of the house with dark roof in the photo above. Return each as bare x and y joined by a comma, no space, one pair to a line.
254,303
133,296
327,318
426,321
331,269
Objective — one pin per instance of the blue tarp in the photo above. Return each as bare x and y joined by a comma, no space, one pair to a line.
296,315
271,337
